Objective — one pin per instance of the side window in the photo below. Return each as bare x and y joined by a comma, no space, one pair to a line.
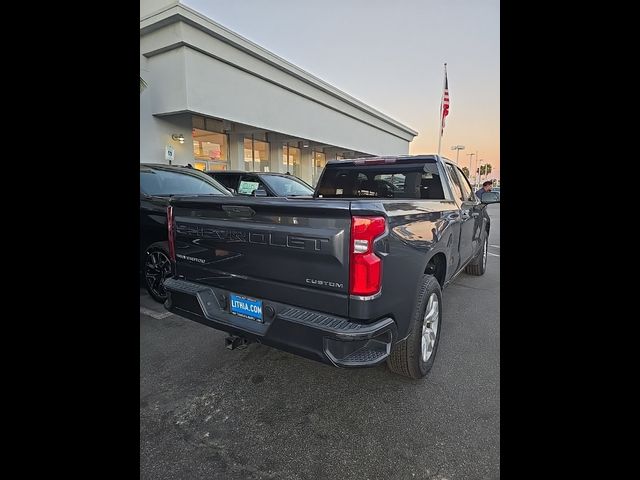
249,183
464,184
229,181
457,189
163,182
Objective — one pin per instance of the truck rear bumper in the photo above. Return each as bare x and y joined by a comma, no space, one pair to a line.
318,336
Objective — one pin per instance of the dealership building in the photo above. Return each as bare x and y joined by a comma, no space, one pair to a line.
218,101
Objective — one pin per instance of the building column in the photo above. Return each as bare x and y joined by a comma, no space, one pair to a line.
236,151
331,152
306,165
275,152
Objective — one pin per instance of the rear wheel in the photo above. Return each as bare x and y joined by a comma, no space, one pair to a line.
157,268
413,357
478,265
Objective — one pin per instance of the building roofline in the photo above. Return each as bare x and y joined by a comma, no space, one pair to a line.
179,12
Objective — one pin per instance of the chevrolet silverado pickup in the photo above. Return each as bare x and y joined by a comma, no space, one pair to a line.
352,277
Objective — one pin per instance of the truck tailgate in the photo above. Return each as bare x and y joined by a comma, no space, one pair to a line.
286,250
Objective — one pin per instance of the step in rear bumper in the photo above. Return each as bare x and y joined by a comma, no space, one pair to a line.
319,336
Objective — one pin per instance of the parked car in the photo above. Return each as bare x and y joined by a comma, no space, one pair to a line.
351,277
157,184
255,183
496,190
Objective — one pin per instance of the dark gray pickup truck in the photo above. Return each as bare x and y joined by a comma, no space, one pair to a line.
351,277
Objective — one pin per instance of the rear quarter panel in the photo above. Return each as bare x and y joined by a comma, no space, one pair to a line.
417,230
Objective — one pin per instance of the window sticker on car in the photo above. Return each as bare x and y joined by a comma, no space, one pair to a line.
247,188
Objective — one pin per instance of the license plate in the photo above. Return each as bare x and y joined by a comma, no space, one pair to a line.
246,307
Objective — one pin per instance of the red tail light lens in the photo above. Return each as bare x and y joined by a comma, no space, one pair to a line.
171,232
365,267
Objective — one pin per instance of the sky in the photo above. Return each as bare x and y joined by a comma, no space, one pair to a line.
390,55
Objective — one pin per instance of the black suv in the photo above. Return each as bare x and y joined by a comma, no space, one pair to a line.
263,184
157,184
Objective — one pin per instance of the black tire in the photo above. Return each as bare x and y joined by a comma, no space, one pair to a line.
407,355
156,268
478,265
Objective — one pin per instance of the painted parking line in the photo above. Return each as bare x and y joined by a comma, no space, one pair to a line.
497,246
494,254
156,315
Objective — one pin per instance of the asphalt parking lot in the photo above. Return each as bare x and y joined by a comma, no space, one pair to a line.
259,413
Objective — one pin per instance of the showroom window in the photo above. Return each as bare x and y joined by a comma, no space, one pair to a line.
256,155
291,159
319,161
210,147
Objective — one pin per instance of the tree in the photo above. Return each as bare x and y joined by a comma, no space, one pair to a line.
485,169
465,170
143,84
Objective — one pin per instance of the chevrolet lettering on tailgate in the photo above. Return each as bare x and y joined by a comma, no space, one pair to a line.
260,238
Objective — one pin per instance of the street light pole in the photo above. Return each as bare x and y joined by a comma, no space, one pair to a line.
477,169
457,148
470,158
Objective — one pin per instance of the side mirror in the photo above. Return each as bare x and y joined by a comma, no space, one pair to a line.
490,197
259,193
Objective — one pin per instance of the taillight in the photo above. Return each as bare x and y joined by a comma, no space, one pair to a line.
171,232
365,267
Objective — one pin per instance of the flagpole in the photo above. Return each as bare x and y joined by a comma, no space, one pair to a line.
444,82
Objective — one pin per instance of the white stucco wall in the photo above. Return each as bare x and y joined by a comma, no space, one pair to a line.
219,89
155,132
150,6
195,65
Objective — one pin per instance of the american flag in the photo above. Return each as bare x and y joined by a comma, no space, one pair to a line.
445,101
